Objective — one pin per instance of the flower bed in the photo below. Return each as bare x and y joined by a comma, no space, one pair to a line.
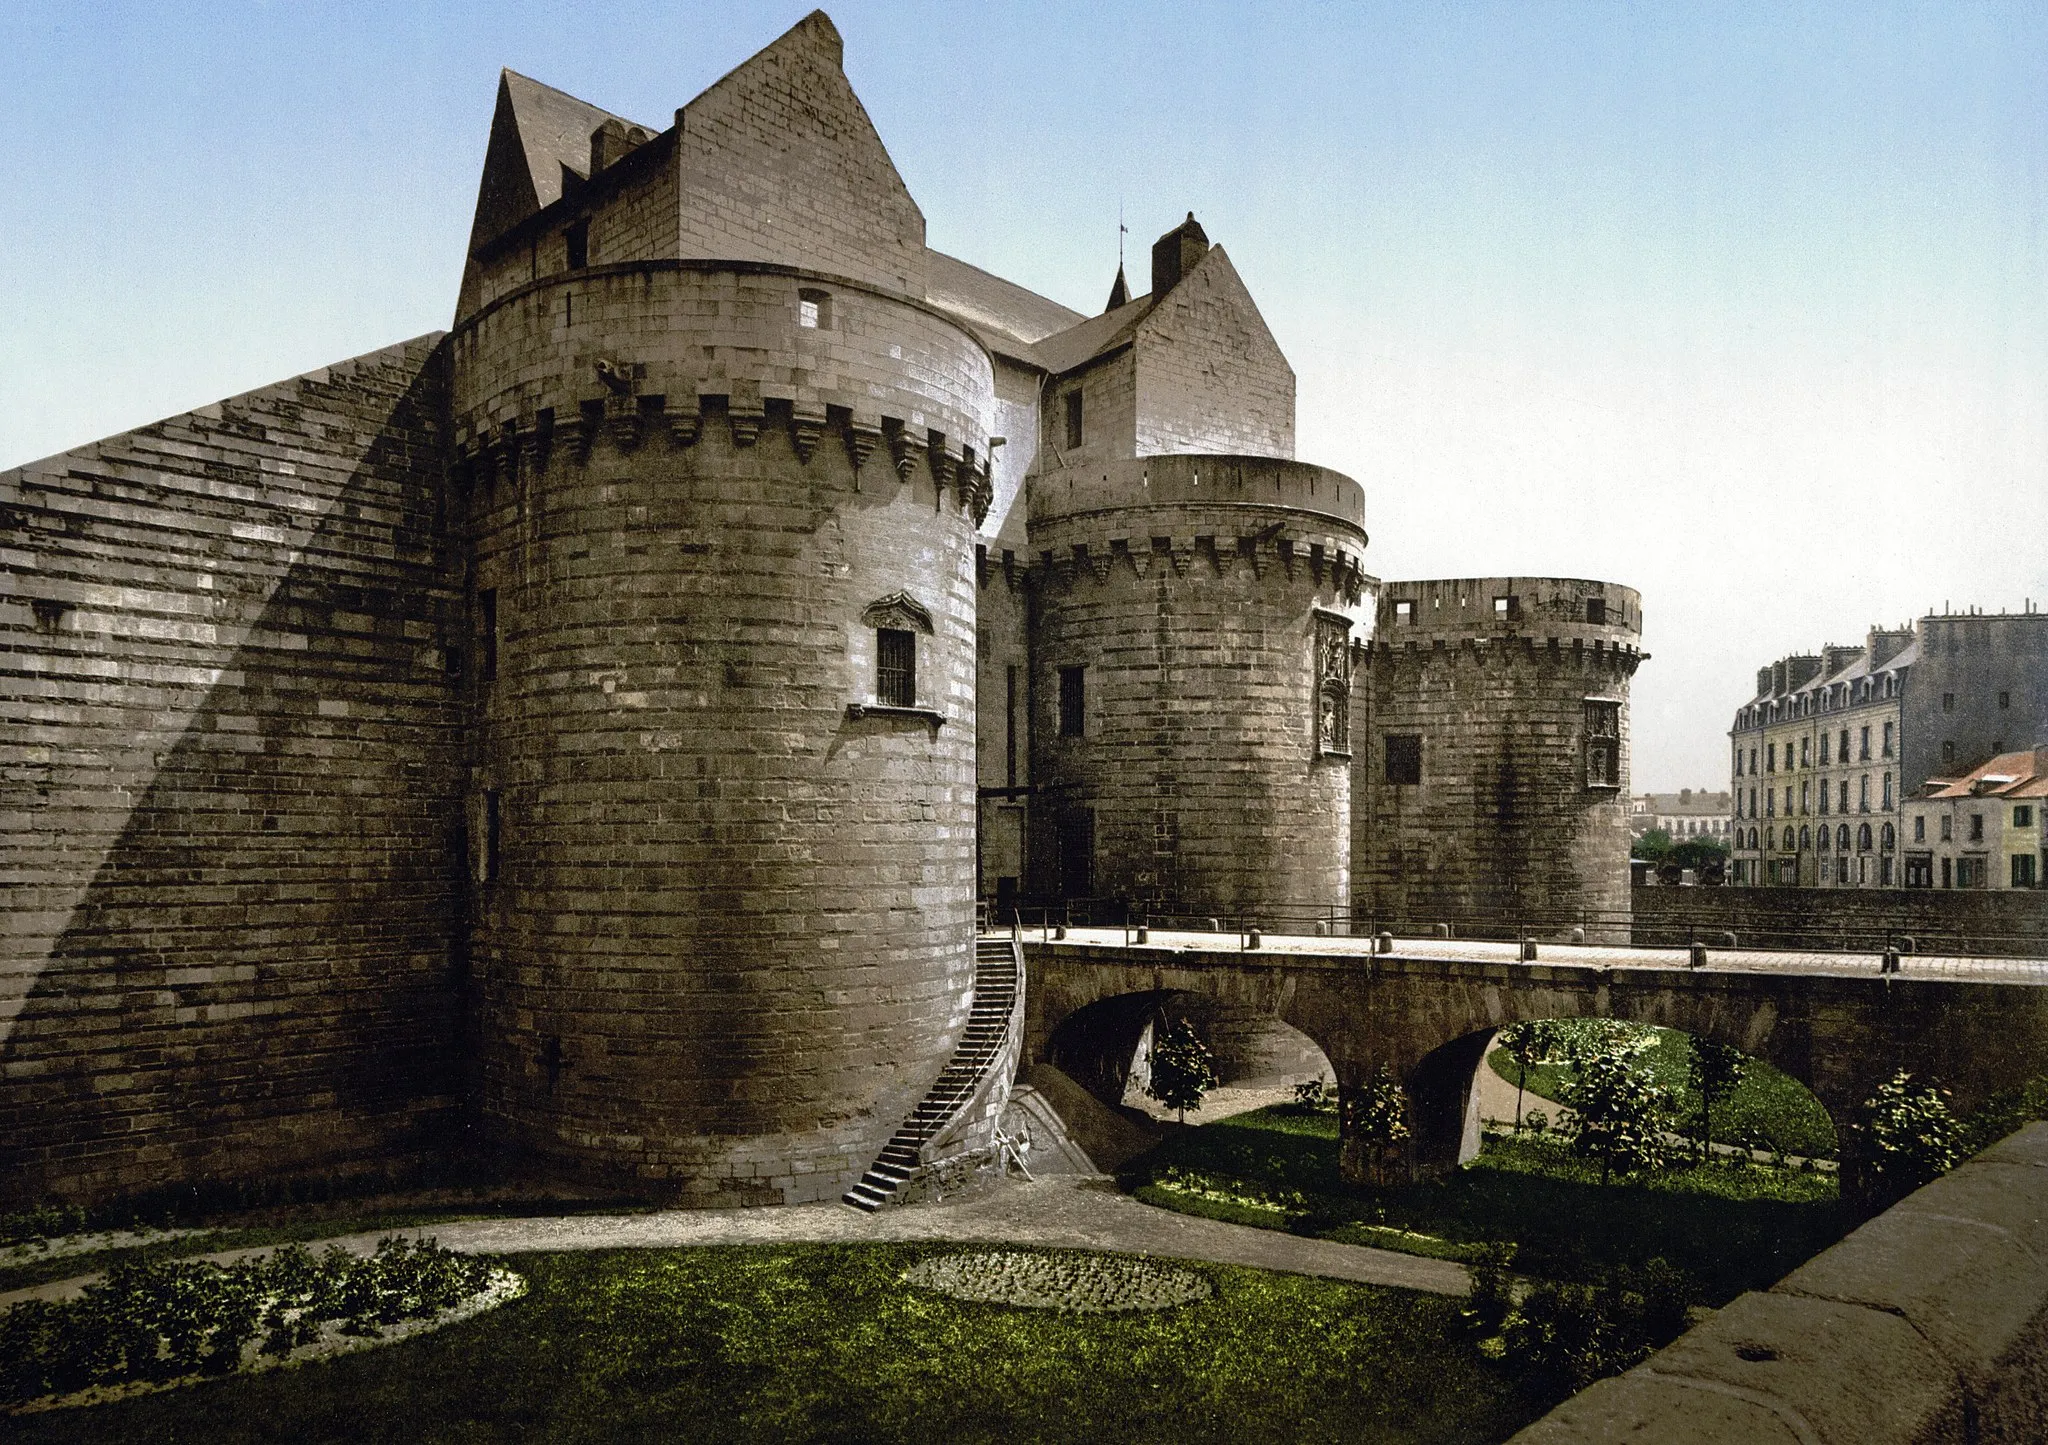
152,1326
1060,1280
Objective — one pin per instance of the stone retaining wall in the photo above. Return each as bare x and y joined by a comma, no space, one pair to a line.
1984,922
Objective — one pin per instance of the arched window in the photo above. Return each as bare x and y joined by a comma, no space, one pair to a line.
1788,838
1890,838
1805,839
1842,839
1863,839
1752,839
1822,840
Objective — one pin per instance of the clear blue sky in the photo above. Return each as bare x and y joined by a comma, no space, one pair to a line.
1745,306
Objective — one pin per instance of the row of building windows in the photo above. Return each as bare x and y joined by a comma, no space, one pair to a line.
1807,837
1806,795
1748,765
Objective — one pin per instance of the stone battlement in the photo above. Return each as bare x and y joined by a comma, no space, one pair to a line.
608,342
1476,609
1197,480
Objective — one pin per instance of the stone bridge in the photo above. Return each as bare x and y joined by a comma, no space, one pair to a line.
1837,1022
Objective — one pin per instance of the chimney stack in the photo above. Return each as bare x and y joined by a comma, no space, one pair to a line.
1175,254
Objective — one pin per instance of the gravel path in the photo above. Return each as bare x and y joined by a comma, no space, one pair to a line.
1078,1213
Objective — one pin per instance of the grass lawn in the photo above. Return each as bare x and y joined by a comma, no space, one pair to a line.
1730,1227
1768,1106
826,1343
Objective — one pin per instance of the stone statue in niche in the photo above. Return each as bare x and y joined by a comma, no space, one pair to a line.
1333,684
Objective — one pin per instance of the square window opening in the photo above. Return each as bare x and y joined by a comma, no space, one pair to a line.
577,239
1596,610
1404,759
814,310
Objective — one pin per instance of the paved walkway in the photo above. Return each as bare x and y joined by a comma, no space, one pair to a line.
1077,1213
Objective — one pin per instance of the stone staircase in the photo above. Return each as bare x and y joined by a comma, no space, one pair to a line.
989,1040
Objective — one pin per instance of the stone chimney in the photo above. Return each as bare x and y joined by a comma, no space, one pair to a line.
612,141
1175,254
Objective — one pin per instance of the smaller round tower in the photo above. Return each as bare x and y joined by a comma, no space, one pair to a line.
1493,791
1197,620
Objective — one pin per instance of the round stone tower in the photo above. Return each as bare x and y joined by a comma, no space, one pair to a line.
1494,792
723,832
1197,618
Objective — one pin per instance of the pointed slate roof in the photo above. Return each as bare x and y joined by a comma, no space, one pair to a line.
1120,292
537,133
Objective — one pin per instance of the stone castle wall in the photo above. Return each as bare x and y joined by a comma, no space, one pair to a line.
1502,824
728,943
231,779
1996,922
1197,594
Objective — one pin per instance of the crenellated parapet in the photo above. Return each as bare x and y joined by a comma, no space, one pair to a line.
529,445
1258,518
650,353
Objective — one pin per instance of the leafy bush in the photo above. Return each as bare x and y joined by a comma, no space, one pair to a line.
1182,1068
1908,1138
1620,1114
48,1221
171,1319
1569,1335
1376,1120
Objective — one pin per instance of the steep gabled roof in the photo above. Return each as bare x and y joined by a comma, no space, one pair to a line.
1080,344
537,133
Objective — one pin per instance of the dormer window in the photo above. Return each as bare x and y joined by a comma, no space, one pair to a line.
814,310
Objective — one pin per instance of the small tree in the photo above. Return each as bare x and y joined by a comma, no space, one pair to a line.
1376,1121
1716,1072
1910,1136
1529,1042
1619,1113
1183,1069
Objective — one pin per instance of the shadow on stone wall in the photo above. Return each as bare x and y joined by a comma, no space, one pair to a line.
264,977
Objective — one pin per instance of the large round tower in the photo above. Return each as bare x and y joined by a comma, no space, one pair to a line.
723,831
1494,793
1195,625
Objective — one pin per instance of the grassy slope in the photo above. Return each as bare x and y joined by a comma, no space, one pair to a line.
824,1343
1768,1104
1730,1228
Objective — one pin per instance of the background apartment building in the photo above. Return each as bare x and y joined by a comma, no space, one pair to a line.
1825,754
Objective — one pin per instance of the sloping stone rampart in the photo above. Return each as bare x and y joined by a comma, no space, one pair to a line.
231,773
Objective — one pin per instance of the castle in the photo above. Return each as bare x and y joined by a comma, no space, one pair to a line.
590,730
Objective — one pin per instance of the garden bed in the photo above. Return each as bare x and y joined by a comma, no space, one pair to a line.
157,1326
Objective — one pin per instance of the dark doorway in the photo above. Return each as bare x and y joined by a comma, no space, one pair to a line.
1077,853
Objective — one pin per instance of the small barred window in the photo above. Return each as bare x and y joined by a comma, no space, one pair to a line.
895,667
